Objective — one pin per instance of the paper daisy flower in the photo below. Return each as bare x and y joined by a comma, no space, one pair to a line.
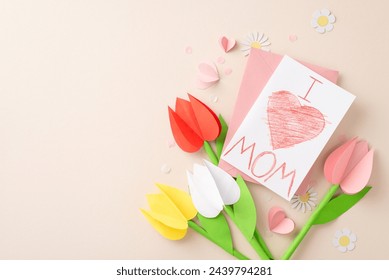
322,21
256,41
304,201
344,240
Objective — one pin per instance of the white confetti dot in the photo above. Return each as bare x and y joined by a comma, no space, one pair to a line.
165,168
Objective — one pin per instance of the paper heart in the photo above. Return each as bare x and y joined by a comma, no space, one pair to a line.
290,123
227,44
207,75
278,222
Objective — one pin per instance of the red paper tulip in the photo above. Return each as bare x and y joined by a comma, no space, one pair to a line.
193,123
350,166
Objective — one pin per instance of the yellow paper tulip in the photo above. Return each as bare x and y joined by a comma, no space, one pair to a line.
170,211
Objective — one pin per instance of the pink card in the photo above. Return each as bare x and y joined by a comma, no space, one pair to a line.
287,127
260,66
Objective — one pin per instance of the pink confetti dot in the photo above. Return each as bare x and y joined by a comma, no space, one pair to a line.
188,50
220,60
292,38
228,71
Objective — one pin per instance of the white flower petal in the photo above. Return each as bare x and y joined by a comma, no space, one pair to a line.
303,207
329,27
346,231
265,44
200,202
316,14
308,206
262,37
325,12
320,29
257,37
226,185
331,18
342,249
353,237
312,204
314,22
351,246
335,242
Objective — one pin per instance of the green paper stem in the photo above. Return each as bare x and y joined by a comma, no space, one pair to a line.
253,241
261,242
211,154
201,231
303,232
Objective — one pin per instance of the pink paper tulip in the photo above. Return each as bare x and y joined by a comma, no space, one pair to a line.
350,166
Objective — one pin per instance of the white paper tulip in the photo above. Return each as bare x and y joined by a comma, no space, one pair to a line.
211,188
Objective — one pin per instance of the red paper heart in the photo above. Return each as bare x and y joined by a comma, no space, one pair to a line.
290,123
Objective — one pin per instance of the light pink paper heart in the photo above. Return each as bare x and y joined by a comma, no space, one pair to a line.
278,222
227,44
207,75
290,123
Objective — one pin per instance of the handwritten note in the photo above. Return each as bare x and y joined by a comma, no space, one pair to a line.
287,127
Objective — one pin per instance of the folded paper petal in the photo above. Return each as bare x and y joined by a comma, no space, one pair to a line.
203,205
181,200
185,137
211,188
207,120
185,110
360,150
357,179
337,161
164,230
226,185
207,75
192,123
160,203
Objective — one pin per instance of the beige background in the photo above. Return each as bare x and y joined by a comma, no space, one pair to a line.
84,90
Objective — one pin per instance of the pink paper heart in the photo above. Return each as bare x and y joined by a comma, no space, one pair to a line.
290,123
207,75
227,44
278,222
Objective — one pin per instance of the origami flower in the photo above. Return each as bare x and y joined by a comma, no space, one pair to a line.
305,201
350,166
170,211
323,20
344,240
192,123
211,188
256,41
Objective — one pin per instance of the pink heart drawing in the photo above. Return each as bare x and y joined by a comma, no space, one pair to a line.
290,123
207,75
278,222
227,44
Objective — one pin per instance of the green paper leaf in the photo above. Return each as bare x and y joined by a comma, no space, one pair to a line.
222,137
245,214
338,206
218,230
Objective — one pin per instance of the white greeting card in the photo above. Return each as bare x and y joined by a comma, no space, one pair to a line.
287,127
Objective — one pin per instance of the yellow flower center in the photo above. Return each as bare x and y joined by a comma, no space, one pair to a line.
344,241
322,21
256,45
304,197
